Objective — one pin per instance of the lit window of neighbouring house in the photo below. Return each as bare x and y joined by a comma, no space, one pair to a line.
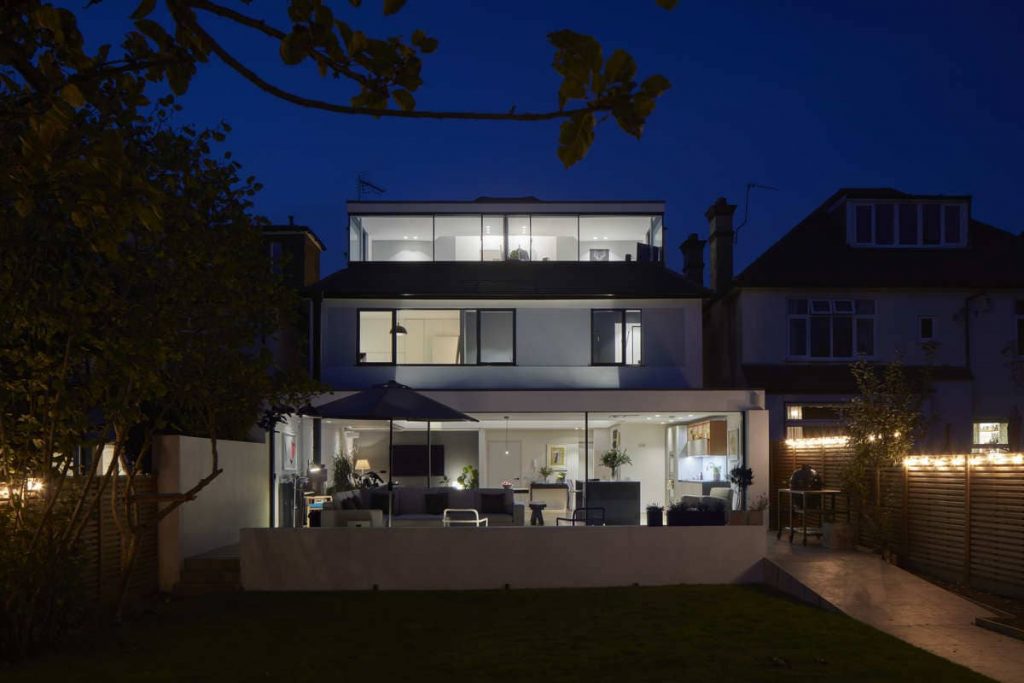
907,224
805,421
437,337
991,434
616,337
831,328
276,255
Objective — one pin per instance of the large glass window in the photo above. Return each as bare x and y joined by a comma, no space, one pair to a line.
415,336
805,421
518,238
392,238
497,336
613,238
554,238
826,328
494,238
616,337
375,336
457,238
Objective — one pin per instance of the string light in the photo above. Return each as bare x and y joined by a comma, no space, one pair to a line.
975,460
819,442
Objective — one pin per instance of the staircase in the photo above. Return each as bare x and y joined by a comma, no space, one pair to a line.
218,571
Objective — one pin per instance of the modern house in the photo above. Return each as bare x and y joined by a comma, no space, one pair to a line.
557,325
879,275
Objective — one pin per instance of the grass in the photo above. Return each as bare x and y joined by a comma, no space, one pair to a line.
693,633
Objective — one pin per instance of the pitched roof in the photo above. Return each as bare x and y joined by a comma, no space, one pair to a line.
815,253
506,280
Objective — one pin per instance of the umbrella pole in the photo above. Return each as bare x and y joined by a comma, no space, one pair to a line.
428,454
391,486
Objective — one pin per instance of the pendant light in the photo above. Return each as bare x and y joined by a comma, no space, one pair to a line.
506,435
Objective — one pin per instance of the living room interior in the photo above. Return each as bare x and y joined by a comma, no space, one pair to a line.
544,458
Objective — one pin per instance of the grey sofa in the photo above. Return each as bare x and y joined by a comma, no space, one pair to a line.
411,506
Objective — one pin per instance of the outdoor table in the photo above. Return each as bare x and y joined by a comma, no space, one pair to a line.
804,495
537,514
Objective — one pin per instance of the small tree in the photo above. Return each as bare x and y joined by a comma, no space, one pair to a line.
883,423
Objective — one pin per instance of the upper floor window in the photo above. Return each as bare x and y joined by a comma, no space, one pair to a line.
991,435
437,337
831,328
926,329
616,337
907,224
810,420
483,237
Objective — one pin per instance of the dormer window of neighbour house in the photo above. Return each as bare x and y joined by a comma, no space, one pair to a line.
907,224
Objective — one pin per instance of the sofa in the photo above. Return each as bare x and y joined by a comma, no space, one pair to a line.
421,506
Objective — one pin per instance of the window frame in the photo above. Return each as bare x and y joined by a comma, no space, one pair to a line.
897,204
920,328
394,338
814,309
622,338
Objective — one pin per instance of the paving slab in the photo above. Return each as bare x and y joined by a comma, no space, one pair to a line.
902,604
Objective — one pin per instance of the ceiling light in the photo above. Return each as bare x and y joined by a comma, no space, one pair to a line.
405,237
605,237
657,416
399,330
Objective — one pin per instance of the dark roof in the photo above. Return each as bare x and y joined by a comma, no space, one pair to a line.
507,280
815,253
833,378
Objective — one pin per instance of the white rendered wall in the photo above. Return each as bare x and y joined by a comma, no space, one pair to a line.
236,499
553,347
492,558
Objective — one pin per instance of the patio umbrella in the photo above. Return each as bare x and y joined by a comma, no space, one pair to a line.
390,401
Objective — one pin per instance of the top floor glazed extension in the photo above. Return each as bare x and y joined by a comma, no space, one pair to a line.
502,229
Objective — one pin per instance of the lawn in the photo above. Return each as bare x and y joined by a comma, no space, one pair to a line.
680,633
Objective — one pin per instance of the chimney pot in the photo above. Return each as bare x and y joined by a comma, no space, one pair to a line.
291,220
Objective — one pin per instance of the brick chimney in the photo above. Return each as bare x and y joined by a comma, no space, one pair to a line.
693,259
721,237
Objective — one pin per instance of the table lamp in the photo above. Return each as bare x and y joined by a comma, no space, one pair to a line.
362,466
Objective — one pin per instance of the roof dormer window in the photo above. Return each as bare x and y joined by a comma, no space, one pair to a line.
889,224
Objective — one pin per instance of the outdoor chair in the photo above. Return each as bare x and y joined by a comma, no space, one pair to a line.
586,516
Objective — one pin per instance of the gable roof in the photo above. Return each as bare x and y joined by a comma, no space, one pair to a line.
506,280
815,253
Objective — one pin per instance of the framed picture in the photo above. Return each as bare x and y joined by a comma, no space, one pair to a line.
598,254
289,453
615,438
556,457
732,444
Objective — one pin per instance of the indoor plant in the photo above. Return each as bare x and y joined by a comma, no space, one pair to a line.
742,477
655,515
615,458
544,471
470,477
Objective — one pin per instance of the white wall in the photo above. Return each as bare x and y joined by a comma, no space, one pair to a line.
518,557
552,347
236,499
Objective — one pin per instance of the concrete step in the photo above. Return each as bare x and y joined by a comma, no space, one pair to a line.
191,575
193,589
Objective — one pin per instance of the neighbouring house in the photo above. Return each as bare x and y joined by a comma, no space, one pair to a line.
556,324
879,275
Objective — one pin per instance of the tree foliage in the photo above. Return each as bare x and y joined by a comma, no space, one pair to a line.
135,294
883,423
383,75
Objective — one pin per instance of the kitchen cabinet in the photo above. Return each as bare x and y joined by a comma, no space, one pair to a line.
707,438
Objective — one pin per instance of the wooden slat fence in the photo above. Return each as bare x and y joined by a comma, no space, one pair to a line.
101,549
959,518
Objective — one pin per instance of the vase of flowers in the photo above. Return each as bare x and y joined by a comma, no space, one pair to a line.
615,458
506,484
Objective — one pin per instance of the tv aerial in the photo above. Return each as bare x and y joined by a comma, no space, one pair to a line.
746,206
365,186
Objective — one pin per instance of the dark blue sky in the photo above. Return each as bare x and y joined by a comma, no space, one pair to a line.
804,96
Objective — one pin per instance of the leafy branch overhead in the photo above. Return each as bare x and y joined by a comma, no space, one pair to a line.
384,72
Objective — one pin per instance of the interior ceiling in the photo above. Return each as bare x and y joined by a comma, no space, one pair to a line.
519,421
591,228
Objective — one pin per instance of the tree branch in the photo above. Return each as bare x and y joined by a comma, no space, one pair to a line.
254,78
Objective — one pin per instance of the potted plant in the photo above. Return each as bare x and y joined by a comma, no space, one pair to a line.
742,477
655,515
545,472
470,477
681,514
754,515
674,515
615,458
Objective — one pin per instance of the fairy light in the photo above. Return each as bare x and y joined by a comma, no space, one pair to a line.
974,460
819,442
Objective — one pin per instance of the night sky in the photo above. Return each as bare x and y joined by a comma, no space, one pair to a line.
807,97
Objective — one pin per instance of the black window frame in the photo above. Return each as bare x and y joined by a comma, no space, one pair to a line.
622,338
811,309
930,321
394,338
